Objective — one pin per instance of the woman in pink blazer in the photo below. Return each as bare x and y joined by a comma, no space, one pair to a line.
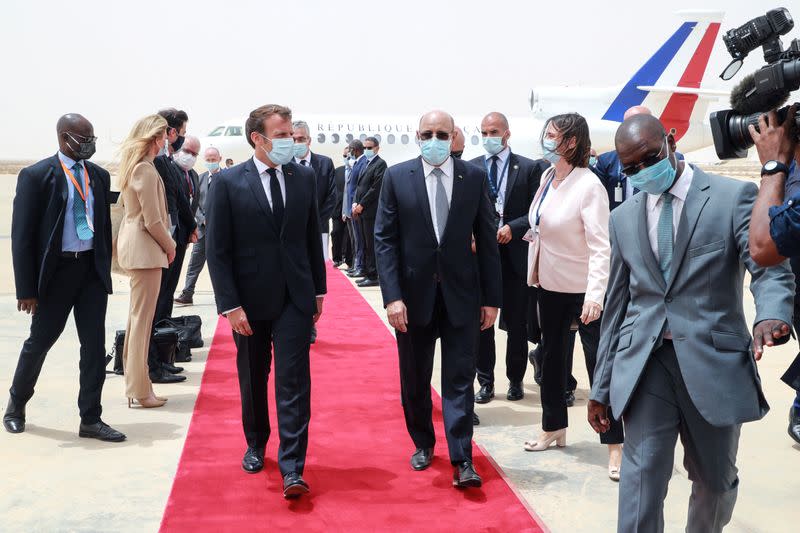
569,261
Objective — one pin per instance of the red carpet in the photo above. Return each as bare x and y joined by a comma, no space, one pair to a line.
358,456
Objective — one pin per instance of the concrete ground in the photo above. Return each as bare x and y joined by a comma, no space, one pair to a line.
54,481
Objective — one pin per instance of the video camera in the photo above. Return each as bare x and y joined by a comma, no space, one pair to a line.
761,91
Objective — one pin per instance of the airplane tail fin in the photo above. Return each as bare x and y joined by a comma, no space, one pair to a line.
669,83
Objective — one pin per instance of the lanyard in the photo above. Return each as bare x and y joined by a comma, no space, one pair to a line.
500,178
541,200
83,192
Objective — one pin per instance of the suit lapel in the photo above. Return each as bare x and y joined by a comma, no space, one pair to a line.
696,200
418,182
513,171
457,196
644,241
254,181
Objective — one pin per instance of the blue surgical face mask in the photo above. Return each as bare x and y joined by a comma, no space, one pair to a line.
592,161
369,153
493,145
657,178
212,166
435,151
300,150
282,150
549,151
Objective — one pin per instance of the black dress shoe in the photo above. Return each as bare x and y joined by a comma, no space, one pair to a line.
475,420
368,282
172,369
355,274
535,357
422,458
14,419
465,476
485,395
515,392
337,264
253,460
794,424
294,486
160,375
569,396
100,431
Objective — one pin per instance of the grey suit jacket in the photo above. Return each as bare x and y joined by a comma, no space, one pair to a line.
202,195
702,302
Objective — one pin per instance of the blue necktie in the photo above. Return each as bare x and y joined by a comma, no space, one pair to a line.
79,208
665,235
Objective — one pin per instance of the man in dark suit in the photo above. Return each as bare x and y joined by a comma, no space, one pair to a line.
61,250
268,272
434,286
513,181
323,168
198,259
359,163
365,207
340,239
183,226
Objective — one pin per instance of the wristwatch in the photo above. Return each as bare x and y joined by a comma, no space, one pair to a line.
774,167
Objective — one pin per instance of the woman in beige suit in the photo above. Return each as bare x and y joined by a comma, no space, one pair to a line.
144,247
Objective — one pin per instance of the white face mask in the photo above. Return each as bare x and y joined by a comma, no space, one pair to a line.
185,160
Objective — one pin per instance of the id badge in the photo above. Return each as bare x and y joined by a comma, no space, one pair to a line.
529,235
498,206
618,192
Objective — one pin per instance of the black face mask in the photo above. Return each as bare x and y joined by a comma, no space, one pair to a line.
85,149
178,143
457,154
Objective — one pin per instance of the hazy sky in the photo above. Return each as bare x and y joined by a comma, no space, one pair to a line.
117,61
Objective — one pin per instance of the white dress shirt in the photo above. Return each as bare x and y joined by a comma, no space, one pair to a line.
430,185
655,203
307,159
262,173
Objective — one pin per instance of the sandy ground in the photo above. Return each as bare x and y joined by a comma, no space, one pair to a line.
54,481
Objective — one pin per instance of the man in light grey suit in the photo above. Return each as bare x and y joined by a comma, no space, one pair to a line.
676,357
198,260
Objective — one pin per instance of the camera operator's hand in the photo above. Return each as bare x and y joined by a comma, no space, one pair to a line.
775,141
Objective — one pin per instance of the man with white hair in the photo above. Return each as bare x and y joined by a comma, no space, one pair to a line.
212,159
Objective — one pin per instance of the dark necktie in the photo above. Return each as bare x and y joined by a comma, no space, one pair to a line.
277,197
304,162
493,174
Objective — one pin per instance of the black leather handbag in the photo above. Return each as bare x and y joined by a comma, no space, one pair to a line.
116,352
166,341
189,329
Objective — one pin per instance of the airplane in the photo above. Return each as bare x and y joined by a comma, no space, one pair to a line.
669,83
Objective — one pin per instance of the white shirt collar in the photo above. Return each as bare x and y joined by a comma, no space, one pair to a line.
262,167
680,190
447,167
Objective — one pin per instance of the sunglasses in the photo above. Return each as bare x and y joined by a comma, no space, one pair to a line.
648,161
428,135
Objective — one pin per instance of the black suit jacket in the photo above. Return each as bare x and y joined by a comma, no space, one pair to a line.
177,192
338,177
253,263
326,188
369,187
411,263
37,225
523,180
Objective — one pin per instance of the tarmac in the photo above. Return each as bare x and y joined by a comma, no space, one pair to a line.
54,481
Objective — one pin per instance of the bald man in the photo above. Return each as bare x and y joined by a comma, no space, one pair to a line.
434,286
61,250
458,144
676,357
211,160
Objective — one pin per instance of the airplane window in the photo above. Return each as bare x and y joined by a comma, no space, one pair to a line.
233,131
404,139
475,140
335,138
363,137
390,138
378,136
321,138
216,132
349,138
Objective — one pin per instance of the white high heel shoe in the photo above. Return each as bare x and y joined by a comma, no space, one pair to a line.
546,440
